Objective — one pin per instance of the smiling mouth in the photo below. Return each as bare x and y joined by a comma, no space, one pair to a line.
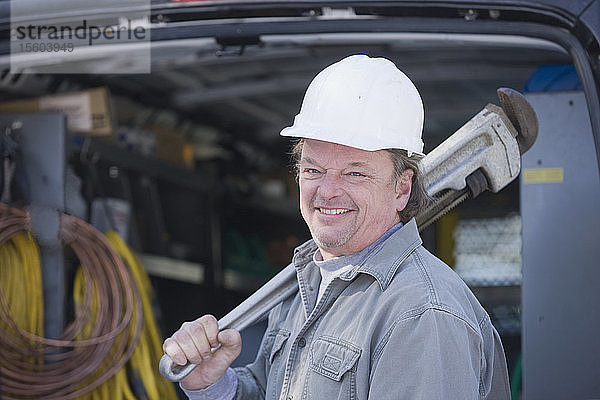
333,211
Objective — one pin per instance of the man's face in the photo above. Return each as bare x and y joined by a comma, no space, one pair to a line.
349,197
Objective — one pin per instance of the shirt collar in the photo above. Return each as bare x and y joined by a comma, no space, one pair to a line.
381,259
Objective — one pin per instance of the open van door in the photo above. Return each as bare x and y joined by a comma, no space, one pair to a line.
240,68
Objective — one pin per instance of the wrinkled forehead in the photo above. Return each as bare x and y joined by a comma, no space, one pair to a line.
337,156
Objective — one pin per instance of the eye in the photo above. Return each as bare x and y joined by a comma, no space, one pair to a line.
311,171
356,174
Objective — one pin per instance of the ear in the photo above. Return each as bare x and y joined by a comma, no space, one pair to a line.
403,188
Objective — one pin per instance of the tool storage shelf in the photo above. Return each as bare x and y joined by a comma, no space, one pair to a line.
111,153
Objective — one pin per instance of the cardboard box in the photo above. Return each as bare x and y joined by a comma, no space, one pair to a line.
172,147
87,111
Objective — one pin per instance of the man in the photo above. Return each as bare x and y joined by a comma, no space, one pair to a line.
376,315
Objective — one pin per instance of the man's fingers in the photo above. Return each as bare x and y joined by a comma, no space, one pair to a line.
193,343
203,334
192,347
211,329
173,350
195,340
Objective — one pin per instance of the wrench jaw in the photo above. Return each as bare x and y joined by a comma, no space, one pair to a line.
485,142
522,115
484,154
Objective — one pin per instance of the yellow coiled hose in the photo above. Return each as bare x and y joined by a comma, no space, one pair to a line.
143,363
21,283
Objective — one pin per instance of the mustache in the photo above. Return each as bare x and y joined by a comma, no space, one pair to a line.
322,203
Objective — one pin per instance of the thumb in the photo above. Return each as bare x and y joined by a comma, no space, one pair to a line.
231,342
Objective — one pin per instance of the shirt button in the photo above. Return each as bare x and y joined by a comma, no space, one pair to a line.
301,342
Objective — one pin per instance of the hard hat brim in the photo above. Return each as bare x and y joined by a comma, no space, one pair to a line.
326,136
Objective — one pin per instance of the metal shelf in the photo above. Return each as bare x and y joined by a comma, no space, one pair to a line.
185,271
156,168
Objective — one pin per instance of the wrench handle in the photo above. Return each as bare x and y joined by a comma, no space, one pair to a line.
251,310
172,372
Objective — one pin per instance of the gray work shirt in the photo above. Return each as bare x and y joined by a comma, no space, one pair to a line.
400,325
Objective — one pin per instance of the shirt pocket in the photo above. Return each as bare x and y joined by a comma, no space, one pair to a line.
275,342
274,359
332,362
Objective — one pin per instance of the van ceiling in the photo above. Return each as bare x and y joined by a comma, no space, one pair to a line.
250,92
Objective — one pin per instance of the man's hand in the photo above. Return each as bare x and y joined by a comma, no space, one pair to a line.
193,342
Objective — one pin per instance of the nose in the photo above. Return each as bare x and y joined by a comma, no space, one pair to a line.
330,186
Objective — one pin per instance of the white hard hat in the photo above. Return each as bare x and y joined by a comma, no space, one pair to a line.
362,102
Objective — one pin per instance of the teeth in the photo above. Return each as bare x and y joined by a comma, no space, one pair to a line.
333,211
